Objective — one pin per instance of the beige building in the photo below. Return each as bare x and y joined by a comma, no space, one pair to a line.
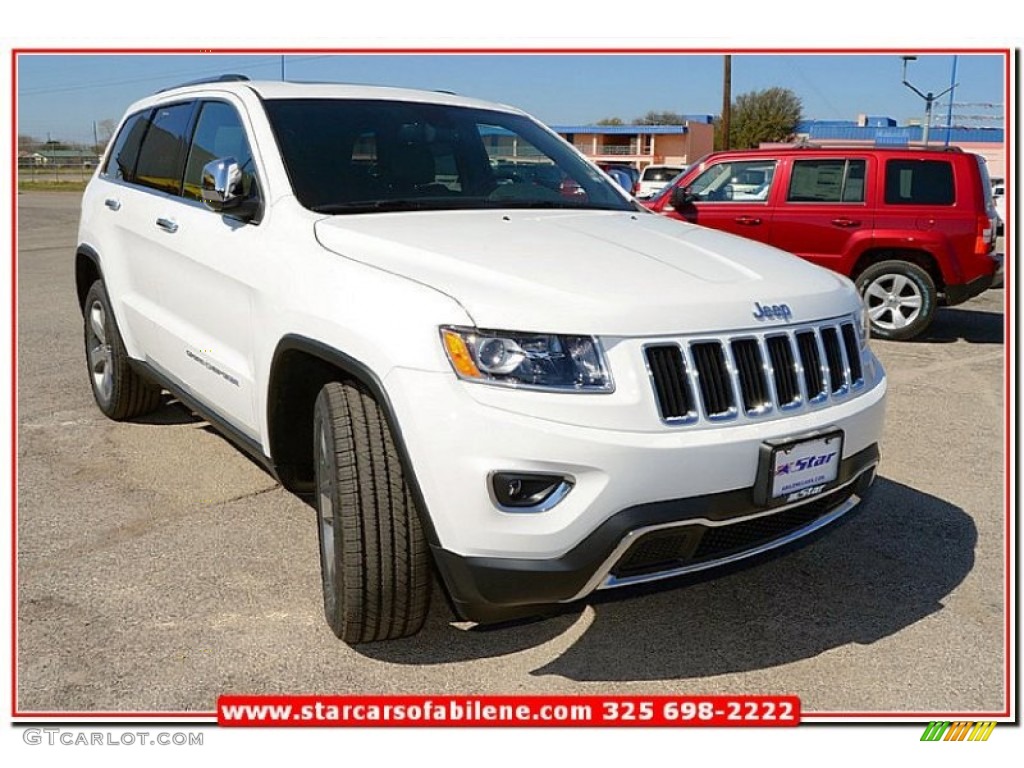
643,145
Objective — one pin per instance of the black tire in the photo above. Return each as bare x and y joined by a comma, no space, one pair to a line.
374,557
120,392
900,298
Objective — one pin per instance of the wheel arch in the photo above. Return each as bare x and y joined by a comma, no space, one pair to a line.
299,369
922,258
87,272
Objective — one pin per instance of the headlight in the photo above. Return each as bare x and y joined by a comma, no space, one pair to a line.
527,360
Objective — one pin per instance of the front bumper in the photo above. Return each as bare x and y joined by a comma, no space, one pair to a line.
649,542
498,563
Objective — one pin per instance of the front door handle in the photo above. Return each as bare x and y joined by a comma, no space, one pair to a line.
112,203
843,222
750,221
167,225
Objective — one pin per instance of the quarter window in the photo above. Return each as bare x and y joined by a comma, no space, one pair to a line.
219,134
827,181
123,155
919,182
162,156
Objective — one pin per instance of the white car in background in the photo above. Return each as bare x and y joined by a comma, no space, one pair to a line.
999,201
654,178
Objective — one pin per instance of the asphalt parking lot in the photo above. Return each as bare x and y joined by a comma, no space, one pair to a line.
158,567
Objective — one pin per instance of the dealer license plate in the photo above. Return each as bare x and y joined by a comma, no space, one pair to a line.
805,468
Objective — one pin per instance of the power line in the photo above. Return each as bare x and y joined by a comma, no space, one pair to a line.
270,61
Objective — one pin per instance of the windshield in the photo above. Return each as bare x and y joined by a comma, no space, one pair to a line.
358,156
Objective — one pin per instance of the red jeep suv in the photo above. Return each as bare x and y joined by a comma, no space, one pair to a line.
914,228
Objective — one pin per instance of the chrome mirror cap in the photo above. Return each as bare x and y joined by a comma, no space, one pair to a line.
222,184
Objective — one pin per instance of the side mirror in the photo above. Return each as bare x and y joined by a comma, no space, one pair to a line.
222,184
682,197
222,190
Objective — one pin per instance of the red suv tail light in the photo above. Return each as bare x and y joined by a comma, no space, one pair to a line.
984,242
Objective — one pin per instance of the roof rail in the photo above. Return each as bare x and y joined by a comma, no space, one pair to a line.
866,144
205,80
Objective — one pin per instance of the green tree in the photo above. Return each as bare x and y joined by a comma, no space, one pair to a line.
768,115
610,121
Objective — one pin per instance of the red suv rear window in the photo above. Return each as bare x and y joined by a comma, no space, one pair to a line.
919,182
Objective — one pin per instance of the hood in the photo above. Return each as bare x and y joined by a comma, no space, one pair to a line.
606,273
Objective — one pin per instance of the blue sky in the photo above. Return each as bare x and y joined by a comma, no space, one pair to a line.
63,95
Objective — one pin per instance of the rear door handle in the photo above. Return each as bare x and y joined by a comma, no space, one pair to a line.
750,221
112,203
167,225
842,222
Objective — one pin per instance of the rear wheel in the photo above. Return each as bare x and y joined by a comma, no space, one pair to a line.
120,392
374,557
900,298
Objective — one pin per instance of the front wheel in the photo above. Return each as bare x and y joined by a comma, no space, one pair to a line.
374,557
900,298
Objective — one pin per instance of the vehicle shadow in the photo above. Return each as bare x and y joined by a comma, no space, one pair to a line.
955,324
881,571
170,411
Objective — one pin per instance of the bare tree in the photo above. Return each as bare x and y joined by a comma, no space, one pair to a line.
104,133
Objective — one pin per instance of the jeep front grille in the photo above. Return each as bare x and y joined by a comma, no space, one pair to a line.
755,374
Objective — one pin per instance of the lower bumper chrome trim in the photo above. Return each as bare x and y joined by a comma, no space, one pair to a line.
603,578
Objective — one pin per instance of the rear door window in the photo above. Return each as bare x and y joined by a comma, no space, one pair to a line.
827,181
919,182
162,156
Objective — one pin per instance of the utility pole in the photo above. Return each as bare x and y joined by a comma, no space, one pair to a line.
726,100
929,99
949,112
282,67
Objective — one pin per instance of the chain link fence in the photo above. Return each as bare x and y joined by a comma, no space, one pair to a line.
49,164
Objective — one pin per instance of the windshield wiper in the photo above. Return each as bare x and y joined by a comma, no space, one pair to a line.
567,205
366,206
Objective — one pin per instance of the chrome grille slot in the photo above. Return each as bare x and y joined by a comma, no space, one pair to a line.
668,374
755,375
852,345
810,359
784,370
834,358
713,379
753,385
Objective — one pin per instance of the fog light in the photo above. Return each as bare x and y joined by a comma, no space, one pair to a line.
522,492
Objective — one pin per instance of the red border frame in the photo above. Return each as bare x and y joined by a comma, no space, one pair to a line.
1008,337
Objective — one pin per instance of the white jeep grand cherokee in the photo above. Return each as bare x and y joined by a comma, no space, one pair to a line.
467,346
